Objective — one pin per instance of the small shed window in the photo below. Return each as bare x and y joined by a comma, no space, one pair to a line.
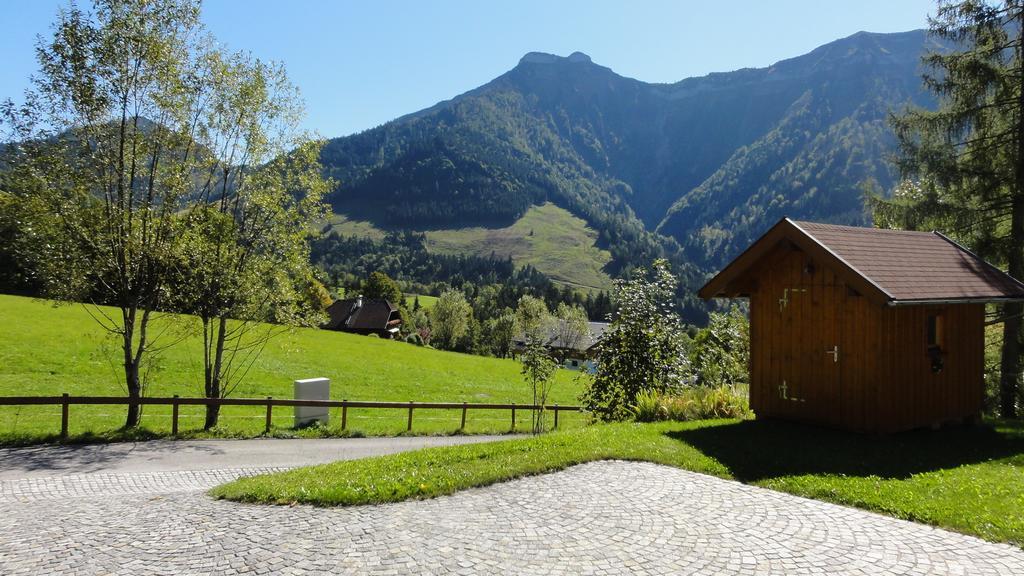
935,341
935,330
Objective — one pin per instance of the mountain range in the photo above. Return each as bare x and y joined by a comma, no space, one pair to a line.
693,170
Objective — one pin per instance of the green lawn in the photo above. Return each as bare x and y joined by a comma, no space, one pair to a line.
550,238
427,302
969,480
47,350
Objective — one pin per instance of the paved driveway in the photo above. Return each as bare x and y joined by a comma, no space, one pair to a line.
598,518
170,455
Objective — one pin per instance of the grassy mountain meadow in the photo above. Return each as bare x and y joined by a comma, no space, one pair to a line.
692,170
547,237
551,239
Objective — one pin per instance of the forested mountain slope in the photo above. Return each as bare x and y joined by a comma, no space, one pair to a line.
692,170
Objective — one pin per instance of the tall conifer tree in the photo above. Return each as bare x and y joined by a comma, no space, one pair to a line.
963,164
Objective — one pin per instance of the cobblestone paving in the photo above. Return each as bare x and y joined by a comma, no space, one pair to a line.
599,518
79,485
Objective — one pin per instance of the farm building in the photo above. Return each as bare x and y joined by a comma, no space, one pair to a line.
864,329
364,316
579,354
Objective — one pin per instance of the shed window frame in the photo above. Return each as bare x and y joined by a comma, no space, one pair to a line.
935,334
935,330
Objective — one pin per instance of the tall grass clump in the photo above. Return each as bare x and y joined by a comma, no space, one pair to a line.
691,403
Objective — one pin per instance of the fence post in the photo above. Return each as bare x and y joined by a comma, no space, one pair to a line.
463,425
344,415
513,416
556,416
409,427
174,416
270,411
64,415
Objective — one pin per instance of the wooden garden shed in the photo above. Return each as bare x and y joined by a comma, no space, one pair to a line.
864,329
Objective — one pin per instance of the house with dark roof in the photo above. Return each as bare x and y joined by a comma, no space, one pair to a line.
864,329
576,355
364,316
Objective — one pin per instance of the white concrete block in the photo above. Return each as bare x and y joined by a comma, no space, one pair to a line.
312,389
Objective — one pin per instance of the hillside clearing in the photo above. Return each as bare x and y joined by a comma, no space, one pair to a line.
346,226
547,237
426,302
49,349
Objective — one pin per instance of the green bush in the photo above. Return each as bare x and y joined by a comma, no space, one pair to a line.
720,353
644,348
414,338
691,403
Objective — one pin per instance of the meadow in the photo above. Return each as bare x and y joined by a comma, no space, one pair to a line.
49,349
346,226
547,237
426,302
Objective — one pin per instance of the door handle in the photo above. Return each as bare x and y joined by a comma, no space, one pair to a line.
834,352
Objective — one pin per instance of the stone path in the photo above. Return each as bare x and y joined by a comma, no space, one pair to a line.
598,518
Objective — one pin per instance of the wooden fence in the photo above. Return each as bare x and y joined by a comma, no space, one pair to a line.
65,401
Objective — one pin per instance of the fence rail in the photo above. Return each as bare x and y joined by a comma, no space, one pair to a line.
65,401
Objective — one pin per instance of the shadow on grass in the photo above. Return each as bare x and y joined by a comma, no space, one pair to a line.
764,449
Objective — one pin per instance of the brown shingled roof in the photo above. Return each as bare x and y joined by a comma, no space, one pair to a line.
894,266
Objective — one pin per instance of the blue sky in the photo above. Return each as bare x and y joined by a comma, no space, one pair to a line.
360,64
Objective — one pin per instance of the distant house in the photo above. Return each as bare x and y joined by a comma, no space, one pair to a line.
864,329
364,316
575,355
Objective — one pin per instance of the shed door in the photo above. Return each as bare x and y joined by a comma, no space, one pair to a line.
789,305
810,351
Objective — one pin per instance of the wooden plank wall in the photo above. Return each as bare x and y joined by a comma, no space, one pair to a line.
790,343
883,381
910,394
858,360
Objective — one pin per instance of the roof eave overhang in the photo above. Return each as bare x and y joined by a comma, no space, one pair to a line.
786,229
715,288
943,301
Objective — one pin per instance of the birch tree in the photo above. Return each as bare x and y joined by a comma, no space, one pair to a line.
243,265
107,144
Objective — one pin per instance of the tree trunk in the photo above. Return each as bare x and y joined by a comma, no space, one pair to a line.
1010,361
133,382
134,385
214,384
212,415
